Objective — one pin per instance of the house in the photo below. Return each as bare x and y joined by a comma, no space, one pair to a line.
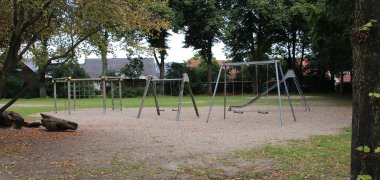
93,66
193,63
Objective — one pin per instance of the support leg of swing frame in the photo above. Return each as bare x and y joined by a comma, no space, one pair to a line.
225,89
112,96
192,99
104,95
55,96
180,99
75,95
213,96
302,95
279,95
120,96
68,96
144,96
287,93
155,98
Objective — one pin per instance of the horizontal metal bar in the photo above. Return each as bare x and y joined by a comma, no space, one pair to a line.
251,63
157,80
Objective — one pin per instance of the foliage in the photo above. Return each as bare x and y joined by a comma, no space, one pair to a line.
133,69
70,69
200,21
331,28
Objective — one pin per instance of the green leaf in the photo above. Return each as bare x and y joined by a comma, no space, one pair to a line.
366,149
364,177
360,148
377,150
374,95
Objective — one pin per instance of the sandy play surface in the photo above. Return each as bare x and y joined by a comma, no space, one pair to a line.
166,143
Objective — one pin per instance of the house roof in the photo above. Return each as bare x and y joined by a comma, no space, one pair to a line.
30,64
93,66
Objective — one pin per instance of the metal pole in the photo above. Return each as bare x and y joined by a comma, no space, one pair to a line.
225,89
68,96
279,95
302,95
104,94
55,96
120,96
213,96
287,92
144,95
112,96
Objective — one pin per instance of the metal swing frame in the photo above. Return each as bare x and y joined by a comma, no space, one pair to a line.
154,80
278,69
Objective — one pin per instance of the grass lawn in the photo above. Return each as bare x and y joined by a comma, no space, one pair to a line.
318,157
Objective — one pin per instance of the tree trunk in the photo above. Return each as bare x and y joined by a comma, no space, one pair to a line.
41,73
341,84
366,79
103,52
294,44
209,67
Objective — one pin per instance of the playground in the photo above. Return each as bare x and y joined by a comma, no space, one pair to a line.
116,144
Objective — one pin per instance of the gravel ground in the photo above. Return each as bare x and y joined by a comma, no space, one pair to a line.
164,142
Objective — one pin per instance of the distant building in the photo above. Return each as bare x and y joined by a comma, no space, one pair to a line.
93,66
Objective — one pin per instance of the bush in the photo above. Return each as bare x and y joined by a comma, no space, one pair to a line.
133,92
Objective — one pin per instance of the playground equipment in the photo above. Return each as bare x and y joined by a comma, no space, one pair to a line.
278,71
87,88
154,80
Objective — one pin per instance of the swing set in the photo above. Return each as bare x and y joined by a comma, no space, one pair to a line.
183,81
278,70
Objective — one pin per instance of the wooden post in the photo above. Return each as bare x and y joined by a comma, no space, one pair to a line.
55,96
112,96
74,95
144,95
120,95
180,97
68,95
192,99
155,97
104,93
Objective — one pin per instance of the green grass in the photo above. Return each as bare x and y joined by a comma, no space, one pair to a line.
319,157
27,107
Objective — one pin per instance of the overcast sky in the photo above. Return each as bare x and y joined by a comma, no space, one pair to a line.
176,52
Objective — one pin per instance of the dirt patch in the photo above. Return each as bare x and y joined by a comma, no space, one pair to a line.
160,147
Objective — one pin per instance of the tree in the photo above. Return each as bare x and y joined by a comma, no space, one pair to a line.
133,69
23,22
365,39
330,35
251,28
201,22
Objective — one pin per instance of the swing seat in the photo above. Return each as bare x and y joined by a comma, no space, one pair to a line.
161,110
174,109
239,112
262,112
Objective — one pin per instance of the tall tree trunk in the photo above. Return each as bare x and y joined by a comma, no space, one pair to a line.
41,71
103,52
209,67
366,113
341,84
294,44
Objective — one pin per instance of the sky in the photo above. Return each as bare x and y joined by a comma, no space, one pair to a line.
176,52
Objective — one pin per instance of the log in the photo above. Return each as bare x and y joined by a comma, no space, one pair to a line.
10,118
32,124
57,124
